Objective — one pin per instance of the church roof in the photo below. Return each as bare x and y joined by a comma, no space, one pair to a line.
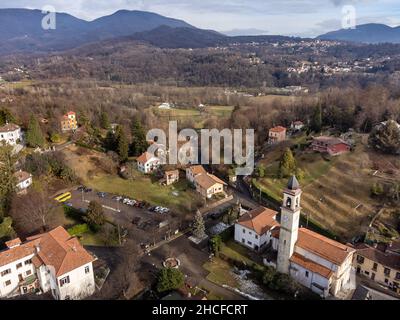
311,265
293,184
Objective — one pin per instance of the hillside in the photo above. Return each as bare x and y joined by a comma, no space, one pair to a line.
367,33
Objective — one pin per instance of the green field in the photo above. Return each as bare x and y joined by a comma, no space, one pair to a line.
196,115
142,187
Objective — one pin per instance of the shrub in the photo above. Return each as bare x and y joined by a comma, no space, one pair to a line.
78,229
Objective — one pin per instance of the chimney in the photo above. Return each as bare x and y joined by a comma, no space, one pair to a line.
375,245
37,248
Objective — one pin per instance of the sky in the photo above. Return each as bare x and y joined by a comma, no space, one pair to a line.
305,18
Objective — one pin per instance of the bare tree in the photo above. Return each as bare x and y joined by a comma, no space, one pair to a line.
33,212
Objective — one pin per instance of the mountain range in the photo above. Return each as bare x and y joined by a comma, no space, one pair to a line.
22,32
366,33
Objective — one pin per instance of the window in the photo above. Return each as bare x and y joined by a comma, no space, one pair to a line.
249,243
28,272
243,241
5,272
387,272
360,259
375,267
367,273
64,281
87,269
244,231
256,236
307,274
250,233
386,281
373,276
7,283
19,265
398,276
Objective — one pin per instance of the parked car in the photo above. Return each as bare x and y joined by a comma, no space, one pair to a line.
101,194
126,200
81,188
87,190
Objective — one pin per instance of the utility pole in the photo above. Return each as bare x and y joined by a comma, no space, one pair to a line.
119,235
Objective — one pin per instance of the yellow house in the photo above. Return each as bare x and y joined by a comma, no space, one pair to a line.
208,185
69,122
380,263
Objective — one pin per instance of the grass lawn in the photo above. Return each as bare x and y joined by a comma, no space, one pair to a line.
220,272
142,187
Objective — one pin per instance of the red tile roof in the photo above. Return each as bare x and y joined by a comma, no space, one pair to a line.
9,127
22,176
145,157
311,265
278,129
260,220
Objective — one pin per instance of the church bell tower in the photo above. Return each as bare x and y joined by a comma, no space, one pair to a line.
290,216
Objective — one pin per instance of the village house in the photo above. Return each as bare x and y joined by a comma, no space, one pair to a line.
69,122
208,185
380,263
297,125
11,134
148,163
171,176
330,145
23,181
276,135
51,262
254,228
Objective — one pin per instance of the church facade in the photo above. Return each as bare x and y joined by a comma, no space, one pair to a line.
315,261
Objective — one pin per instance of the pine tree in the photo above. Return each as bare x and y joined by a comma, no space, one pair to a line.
122,144
139,142
34,135
7,179
287,165
110,141
104,121
316,121
6,116
198,225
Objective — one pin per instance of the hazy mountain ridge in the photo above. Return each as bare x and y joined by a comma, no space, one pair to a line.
366,33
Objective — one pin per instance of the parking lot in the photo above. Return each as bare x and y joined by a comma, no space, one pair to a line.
144,224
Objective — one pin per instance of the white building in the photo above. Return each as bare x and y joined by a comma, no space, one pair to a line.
297,125
166,106
10,134
254,228
315,261
51,262
147,163
23,180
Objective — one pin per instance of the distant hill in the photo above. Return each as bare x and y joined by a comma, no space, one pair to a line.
167,37
366,33
21,29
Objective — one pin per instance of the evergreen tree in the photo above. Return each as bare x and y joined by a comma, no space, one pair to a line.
287,165
95,217
104,121
386,138
139,144
6,116
7,179
198,225
215,244
169,279
316,121
122,144
34,135
110,141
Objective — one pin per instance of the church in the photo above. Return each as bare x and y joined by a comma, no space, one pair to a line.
315,261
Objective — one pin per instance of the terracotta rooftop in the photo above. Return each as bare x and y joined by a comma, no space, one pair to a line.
311,265
197,170
330,140
9,127
278,129
388,259
56,248
145,157
321,246
260,220
13,243
22,176
207,180
324,247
